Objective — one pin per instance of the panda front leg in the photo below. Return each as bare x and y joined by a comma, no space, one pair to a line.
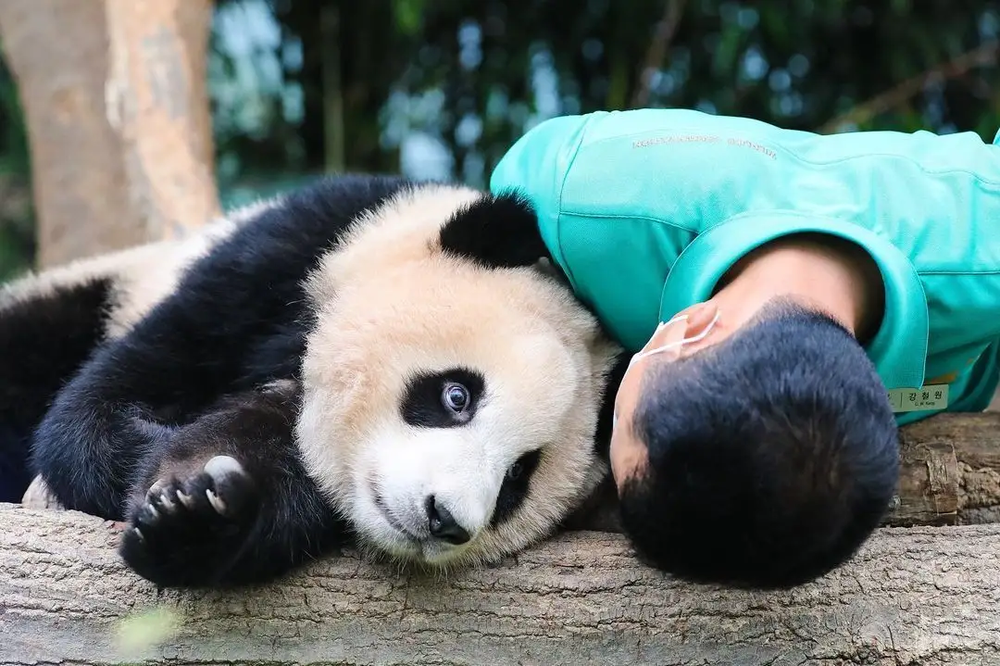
227,501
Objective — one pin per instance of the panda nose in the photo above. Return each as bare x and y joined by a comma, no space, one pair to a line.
442,524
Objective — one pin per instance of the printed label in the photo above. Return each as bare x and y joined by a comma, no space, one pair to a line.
732,142
932,396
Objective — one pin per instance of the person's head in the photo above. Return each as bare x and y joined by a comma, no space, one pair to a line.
757,457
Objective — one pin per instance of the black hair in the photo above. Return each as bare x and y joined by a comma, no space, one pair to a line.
773,455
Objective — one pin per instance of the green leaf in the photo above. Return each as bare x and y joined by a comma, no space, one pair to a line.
409,15
140,632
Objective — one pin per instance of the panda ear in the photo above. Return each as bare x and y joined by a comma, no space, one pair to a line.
497,231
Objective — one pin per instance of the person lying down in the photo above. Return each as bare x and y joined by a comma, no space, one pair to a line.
791,300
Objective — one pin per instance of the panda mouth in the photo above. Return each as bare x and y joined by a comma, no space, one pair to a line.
389,518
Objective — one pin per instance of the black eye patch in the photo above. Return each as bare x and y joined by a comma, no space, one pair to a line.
515,486
443,399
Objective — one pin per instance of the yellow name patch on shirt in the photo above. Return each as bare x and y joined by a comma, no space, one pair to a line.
931,396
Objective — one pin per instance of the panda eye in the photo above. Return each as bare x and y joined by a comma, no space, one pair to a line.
455,397
443,399
514,471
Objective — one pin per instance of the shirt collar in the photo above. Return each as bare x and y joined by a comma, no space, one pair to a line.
898,350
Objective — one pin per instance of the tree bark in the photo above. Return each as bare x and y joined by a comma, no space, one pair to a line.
115,99
950,471
926,595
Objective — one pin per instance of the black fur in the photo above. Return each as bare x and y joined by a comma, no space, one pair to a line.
515,487
605,418
184,384
275,517
42,342
772,456
237,320
497,232
423,402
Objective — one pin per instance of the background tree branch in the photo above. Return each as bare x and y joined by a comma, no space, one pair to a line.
665,30
985,54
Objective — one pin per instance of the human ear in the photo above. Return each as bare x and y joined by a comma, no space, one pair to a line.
629,456
699,318
688,324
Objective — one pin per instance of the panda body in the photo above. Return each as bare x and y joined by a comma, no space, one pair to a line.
52,321
367,360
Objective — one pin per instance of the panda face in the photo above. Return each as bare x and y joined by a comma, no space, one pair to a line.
449,408
455,457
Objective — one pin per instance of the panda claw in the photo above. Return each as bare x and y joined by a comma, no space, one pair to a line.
191,520
217,503
185,499
220,467
166,503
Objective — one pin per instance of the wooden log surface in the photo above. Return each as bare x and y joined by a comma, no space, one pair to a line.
923,595
950,471
926,595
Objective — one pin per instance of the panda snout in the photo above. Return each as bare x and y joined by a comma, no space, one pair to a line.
442,524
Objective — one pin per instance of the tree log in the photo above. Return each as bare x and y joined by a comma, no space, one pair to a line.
924,595
950,471
115,101
921,595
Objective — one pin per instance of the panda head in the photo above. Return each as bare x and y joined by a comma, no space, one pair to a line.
452,385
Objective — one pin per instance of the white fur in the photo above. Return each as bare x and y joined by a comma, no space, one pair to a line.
142,276
391,303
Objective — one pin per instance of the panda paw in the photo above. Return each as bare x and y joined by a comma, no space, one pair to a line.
189,528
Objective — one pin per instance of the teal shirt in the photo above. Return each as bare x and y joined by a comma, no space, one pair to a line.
645,210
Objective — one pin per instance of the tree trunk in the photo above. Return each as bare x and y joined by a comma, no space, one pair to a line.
115,100
926,595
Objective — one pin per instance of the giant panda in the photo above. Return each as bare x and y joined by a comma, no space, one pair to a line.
367,360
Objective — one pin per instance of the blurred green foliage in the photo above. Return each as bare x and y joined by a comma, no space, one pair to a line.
441,88
17,245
